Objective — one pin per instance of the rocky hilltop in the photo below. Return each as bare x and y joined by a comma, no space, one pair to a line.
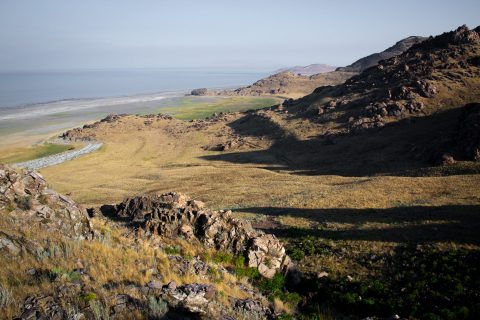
287,84
373,59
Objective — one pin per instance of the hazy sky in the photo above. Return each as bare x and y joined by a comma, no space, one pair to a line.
59,34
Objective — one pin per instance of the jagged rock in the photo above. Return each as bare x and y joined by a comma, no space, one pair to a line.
173,214
251,308
9,243
26,196
199,92
194,297
447,159
425,88
39,308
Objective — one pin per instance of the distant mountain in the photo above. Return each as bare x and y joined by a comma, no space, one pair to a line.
373,59
308,70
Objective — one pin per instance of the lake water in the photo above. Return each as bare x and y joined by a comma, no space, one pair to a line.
21,88
39,103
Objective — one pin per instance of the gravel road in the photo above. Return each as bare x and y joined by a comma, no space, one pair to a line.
58,158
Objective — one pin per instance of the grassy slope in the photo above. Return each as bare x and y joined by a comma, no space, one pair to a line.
189,109
28,153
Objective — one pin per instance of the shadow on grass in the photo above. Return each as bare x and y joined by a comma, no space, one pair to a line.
415,224
402,148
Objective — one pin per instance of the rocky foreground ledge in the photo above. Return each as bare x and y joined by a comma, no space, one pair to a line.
55,250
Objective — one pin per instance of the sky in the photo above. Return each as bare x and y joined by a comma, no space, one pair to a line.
243,34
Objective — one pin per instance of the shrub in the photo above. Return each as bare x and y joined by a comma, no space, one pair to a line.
157,308
272,286
90,296
172,250
251,273
222,257
57,272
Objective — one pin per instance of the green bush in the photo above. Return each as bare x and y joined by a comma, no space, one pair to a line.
251,273
272,286
302,247
222,257
58,272
172,250
90,296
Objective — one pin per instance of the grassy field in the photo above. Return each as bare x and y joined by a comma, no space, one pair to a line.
28,153
20,149
189,108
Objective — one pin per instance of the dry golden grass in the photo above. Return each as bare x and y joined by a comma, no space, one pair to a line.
111,259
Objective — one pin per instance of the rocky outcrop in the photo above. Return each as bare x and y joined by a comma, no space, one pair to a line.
88,131
409,84
289,84
200,92
173,214
26,198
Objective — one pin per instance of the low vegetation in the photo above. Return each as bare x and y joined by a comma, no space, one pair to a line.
29,153
189,109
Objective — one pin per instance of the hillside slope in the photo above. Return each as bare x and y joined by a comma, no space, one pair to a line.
289,84
373,59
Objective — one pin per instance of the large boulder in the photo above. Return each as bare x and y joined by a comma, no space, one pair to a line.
173,214
28,200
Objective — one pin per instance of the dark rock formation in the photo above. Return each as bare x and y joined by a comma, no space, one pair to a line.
200,92
173,214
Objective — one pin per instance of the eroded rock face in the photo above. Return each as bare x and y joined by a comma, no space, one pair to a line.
173,214
26,197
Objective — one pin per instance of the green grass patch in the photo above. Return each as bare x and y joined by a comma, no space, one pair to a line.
30,153
189,108
416,284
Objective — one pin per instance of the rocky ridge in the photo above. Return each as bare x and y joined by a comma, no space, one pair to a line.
284,83
173,215
373,59
419,81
